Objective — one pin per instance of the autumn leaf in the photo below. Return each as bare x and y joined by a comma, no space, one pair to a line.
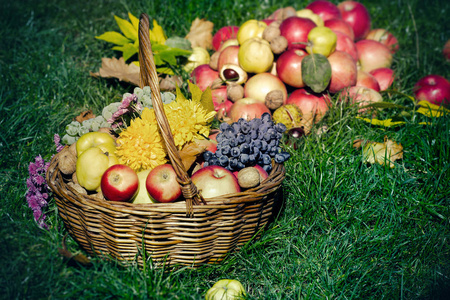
190,152
200,34
117,68
431,110
385,123
381,153
85,115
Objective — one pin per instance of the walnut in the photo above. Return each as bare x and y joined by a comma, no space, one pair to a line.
274,99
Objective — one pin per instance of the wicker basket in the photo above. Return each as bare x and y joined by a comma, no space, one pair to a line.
191,232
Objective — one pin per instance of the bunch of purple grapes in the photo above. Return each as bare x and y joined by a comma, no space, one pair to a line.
248,143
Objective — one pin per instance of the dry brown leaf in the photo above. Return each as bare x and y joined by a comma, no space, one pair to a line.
169,83
190,152
200,34
117,68
85,115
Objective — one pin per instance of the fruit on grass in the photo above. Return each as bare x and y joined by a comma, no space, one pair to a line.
198,57
214,181
225,289
247,108
341,26
357,15
325,9
233,74
250,29
162,184
446,50
368,80
309,14
346,44
434,89
362,96
255,55
228,56
384,76
91,165
343,71
313,106
259,85
289,114
385,37
119,183
295,30
223,34
203,76
373,55
321,40
289,67
142,195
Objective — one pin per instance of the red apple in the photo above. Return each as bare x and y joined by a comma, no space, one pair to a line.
219,96
346,44
339,25
368,80
295,30
267,21
215,181
385,37
325,9
223,34
384,76
248,109
259,85
373,55
343,71
289,67
433,88
360,95
357,16
119,183
203,76
446,51
208,144
162,184
262,172
228,56
313,106
223,109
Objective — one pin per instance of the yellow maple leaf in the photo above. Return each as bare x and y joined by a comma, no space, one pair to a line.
431,110
385,123
381,153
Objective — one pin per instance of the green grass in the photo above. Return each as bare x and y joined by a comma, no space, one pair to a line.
346,230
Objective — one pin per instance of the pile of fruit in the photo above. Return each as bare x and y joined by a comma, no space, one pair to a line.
294,61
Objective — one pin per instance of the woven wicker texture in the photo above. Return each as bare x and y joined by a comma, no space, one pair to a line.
190,232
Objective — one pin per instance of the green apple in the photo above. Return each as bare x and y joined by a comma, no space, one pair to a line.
249,29
143,196
321,40
225,289
255,55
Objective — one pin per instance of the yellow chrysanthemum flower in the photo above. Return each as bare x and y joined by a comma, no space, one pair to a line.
140,145
188,121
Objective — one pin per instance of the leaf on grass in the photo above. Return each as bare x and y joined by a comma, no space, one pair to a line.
316,72
71,259
127,28
134,21
200,34
117,68
114,38
385,123
128,50
190,152
85,115
431,110
157,34
381,153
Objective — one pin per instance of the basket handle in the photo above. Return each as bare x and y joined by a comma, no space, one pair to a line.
149,77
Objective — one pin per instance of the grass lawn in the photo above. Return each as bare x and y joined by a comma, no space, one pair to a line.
346,230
